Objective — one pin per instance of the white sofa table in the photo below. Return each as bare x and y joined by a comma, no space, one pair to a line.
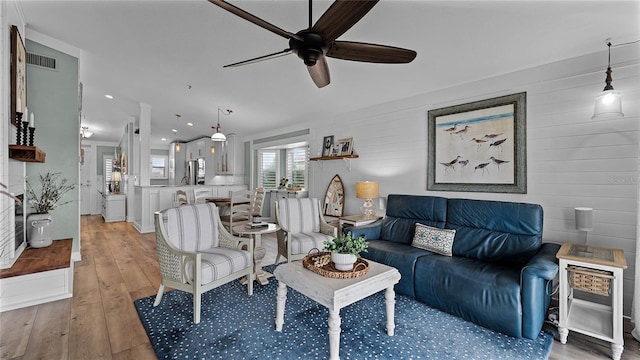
335,294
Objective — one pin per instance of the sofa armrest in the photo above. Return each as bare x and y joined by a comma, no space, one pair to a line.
536,286
370,231
543,264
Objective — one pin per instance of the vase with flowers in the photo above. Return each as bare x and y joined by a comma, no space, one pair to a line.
40,223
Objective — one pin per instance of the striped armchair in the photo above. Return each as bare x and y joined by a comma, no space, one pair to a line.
197,254
303,227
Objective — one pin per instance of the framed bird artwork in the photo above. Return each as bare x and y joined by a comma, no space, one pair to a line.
479,146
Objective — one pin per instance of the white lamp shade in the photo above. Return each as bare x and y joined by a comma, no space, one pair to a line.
608,105
584,218
218,136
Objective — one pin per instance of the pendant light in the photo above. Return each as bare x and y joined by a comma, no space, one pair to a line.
609,102
218,135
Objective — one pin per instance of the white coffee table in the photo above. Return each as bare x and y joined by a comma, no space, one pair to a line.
335,294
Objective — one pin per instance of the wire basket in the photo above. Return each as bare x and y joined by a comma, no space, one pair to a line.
590,280
320,263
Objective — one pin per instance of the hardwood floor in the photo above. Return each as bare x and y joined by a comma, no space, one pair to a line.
100,322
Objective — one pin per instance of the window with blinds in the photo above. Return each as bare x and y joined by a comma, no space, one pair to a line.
159,168
108,169
297,166
268,176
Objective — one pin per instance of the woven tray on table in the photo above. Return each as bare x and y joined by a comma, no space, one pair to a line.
321,264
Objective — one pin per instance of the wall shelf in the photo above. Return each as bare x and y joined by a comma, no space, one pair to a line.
26,153
322,158
346,158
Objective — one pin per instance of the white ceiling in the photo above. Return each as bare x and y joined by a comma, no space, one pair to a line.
169,54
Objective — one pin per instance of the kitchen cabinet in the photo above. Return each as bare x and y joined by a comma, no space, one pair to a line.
230,156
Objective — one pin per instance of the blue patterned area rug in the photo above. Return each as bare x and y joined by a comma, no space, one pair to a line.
235,326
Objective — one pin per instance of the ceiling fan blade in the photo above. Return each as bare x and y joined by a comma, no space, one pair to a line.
261,58
357,51
340,17
320,72
254,19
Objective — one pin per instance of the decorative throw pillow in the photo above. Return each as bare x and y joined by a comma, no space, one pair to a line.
433,239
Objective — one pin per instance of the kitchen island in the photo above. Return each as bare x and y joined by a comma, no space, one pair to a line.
149,199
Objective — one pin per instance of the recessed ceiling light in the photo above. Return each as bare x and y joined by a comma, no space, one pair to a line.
109,96
174,130
164,139
190,124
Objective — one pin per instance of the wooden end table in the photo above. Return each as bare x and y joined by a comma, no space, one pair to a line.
357,220
258,251
334,294
600,321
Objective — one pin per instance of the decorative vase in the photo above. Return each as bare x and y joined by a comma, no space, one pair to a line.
343,262
40,230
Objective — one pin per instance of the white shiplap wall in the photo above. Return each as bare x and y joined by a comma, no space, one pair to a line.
572,160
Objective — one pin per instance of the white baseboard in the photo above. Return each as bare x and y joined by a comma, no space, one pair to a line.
33,289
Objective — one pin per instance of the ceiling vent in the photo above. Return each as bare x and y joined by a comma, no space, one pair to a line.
43,61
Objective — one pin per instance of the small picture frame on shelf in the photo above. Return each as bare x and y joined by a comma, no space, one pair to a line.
327,144
335,149
346,146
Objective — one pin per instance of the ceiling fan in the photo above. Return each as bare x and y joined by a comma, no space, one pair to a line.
318,41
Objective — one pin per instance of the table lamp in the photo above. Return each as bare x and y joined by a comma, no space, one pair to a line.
584,220
367,190
116,178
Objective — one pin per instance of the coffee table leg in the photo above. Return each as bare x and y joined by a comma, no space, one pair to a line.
282,299
334,335
390,301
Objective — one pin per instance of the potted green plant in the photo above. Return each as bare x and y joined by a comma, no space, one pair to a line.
345,250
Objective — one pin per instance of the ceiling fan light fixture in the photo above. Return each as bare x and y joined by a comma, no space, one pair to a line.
609,102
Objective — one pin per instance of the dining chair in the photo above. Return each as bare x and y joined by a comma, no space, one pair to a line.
239,209
200,195
181,198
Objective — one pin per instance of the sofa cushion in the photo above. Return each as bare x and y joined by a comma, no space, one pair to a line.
404,211
487,294
439,241
400,256
494,230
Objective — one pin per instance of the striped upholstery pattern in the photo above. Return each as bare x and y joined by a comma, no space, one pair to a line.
301,217
195,228
220,262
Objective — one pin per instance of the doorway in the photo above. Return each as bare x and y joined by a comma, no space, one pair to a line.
85,182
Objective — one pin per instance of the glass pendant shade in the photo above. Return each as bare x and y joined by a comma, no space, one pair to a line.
608,105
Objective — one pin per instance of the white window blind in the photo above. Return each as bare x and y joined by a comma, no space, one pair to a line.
159,168
268,176
297,166
108,169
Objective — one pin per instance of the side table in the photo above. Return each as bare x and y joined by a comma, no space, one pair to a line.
258,251
596,270
356,220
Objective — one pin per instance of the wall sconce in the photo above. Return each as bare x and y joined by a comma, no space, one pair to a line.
367,190
584,220
609,102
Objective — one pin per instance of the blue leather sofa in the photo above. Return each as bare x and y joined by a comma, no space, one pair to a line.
500,275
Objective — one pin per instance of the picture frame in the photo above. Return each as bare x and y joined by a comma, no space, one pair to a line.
479,146
18,71
327,143
335,149
346,146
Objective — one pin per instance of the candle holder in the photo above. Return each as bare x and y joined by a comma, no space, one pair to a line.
19,128
31,131
25,128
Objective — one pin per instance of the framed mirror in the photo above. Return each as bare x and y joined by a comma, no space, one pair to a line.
334,198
